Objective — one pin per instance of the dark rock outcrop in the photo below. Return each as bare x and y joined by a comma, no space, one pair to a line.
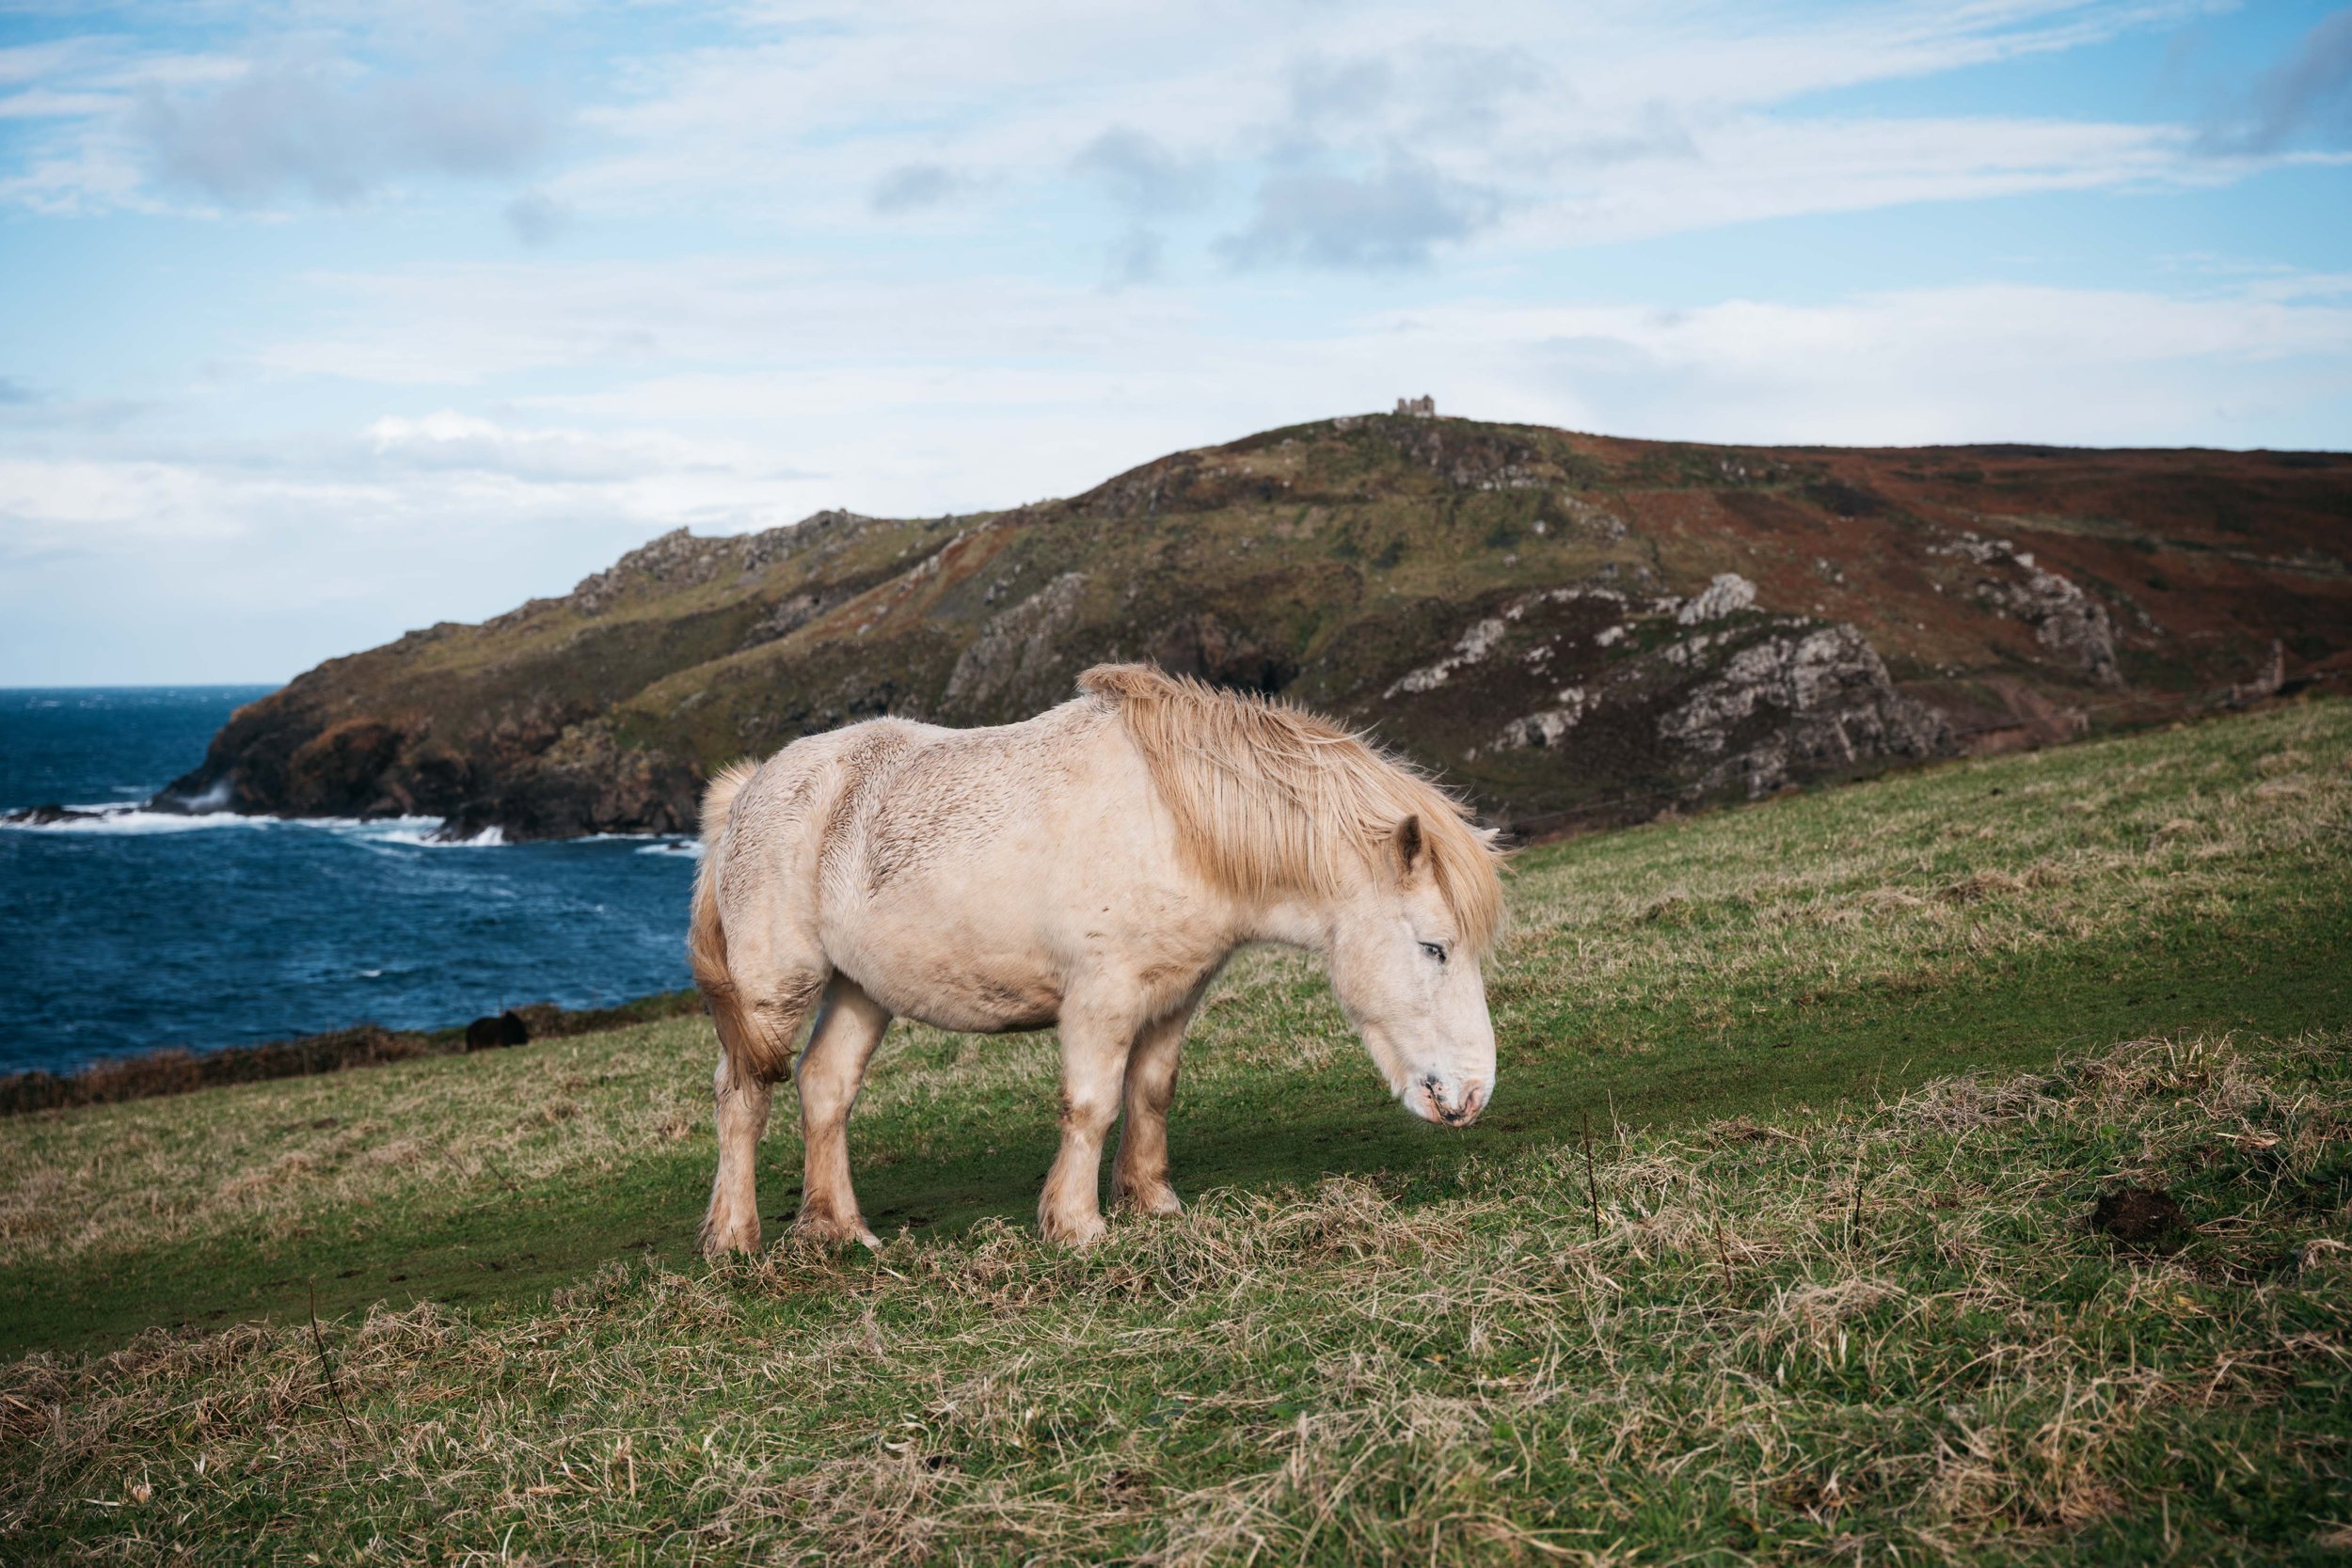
47,817
497,1032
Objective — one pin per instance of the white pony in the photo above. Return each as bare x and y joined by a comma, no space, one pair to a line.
1090,868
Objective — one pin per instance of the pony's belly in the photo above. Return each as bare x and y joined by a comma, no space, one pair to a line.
1006,1020
967,1000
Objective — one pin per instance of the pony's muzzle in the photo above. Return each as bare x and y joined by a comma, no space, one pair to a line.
1446,1102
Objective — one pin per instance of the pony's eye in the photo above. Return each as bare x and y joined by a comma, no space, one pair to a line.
1434,950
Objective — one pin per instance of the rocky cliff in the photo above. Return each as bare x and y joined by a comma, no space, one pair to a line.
1568,627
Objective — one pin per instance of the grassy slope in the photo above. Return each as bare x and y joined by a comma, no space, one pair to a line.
1428,1346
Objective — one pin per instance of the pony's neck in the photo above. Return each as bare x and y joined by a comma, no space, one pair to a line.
1296,921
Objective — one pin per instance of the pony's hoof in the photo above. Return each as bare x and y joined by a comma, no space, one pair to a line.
1080,1233
722,1242
1158,1201
833,1231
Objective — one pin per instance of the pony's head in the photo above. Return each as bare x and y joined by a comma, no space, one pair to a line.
1406,973
1281,808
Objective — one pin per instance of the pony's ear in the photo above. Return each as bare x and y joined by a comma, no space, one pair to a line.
1412,852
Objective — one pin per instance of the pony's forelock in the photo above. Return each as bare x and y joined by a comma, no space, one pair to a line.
1269,799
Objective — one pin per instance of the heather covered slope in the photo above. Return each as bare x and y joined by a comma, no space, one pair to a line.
1567,627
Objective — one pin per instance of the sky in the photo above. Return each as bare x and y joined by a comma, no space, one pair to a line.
323,321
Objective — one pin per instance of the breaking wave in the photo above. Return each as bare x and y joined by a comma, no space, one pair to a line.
424,832
113,819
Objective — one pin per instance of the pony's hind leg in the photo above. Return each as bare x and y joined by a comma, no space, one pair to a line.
850,1024
1139,1174
741,1101
743,1088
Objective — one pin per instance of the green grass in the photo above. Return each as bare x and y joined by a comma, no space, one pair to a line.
1836,1301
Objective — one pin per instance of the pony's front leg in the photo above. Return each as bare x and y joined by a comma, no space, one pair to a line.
1139,1174
1093,1066
850,1024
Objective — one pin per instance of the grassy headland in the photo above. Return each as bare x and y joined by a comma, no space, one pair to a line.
1472,591
1816,1296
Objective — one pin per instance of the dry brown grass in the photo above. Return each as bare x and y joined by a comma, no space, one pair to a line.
1750,1359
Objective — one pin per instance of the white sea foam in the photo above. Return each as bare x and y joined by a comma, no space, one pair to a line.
114,818
416,832
215,799
377,829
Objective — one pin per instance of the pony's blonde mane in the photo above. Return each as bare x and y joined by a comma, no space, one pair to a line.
1269,799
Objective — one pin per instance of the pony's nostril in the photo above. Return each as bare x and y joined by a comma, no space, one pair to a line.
1464,1110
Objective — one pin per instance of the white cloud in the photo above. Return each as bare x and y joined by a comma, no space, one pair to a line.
1386,219
469,325
1973,363
775,401
1582,123
452,441
1566,116
333,134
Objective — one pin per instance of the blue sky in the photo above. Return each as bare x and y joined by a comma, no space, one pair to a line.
319,322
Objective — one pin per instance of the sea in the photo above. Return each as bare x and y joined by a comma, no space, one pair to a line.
141,929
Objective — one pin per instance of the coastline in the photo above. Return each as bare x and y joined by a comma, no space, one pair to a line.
175,1070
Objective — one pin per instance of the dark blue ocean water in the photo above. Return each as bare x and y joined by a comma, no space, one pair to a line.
145,930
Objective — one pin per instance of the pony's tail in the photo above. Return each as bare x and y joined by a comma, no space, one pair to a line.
706,937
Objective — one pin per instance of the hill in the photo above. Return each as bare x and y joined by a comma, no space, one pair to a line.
1845,1267
1570,627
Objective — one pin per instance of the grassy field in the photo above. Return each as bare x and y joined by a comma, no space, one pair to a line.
1856,1067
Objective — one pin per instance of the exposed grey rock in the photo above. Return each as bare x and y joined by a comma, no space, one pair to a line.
1595,521
1518,608
1826,699
1015,651
789,616
2065,620
1969,546
1690,653
1727,594
1470,458
2267,682
678,557
1548,727
1473,645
